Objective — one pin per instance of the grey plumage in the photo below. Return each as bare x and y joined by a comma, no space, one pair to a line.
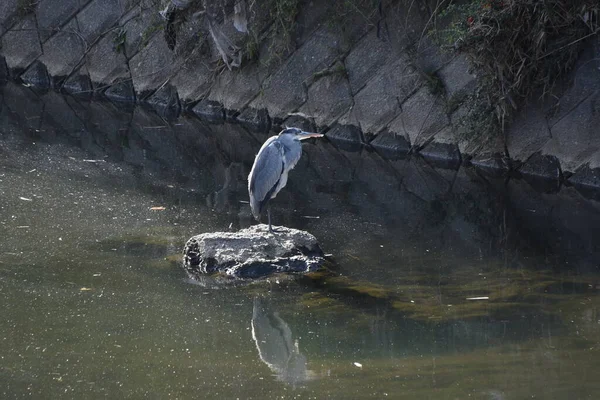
269,174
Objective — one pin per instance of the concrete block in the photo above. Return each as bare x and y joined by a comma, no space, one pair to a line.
97,17
542,172
209,110
139,23
528,133
52,14
421,117
165,101
104,63
587,181
378,103
255,120
64,51
346,137
575,137
328,98
235,89
443,155
37,75
152,66
284,91
121,90
194,77
9,14
21,45
366,58
391,146
457,79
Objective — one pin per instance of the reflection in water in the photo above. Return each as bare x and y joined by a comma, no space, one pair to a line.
276,347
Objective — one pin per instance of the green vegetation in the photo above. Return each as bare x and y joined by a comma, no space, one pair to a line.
119,40
283,16
517,46
150,31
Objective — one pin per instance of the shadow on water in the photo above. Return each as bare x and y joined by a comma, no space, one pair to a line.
446,283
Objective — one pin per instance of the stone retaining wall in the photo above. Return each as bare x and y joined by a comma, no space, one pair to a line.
389,89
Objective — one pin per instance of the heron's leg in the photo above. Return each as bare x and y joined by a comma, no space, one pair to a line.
269,216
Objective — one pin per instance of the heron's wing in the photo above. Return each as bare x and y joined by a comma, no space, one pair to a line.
265,174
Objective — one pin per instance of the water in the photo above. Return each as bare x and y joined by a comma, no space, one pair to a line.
448,284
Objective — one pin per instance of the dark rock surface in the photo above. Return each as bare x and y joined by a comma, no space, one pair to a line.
390,145
543,172
121,90
253,252
36,75
587,181
209,110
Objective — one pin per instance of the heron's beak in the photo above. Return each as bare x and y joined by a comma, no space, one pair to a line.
308,135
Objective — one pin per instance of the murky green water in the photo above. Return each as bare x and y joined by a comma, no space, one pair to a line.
448,284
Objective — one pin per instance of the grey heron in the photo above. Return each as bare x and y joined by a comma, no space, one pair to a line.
269,174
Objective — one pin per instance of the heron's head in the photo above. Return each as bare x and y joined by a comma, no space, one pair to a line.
298,134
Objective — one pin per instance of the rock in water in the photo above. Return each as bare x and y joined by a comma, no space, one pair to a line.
253,252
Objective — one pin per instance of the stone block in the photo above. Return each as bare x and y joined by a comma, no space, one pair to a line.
9,13
328,98
528,133
366,58
391,146
421,117
583,82
79,83
194,78
235,89
63,52
587,181
298,120
121,90
346,137
284,91
379,101
97,17
457,79
443,155
542,172
52,14
575,137
139,24
255,120
36,75
165,101
152,66
104,63
21,45
127,5
429,58
209,110
494,164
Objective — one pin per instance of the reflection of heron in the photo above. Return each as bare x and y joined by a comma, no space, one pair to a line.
273,338
225,198
277,156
